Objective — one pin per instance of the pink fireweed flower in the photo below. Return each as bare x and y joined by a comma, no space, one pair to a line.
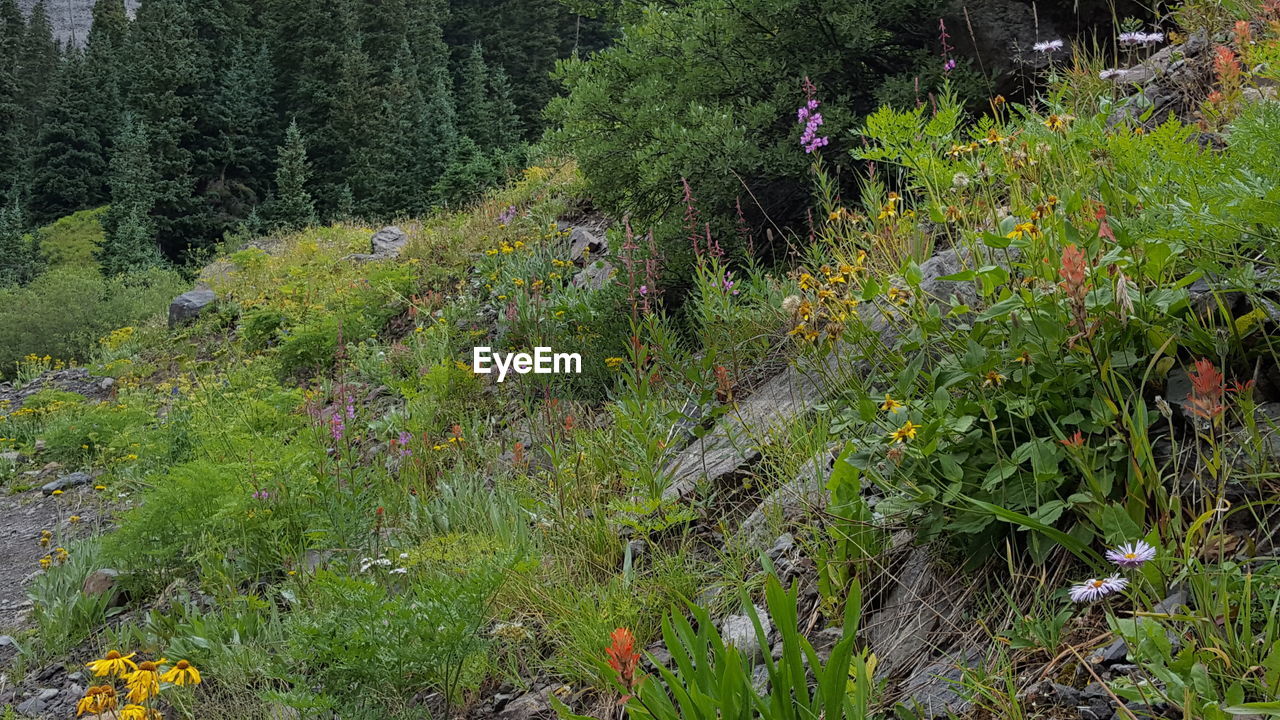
1132,555
809,116
1094,588
337,426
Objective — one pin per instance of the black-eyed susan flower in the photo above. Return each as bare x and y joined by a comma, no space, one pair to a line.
904,433
182,673
113,663
144,682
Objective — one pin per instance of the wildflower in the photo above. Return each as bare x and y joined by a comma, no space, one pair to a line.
808,116
57,492
1023,359
898,296
46,537
97,700
46,562
1024,229
1207,387
623,657
1047,46
138,712
949,65
613,363
337,426
904,433
99,487
890,209
74,519
261,495
1073,272
1094,589
889,404
113,664
144,683
507,215
790,304
182,673
1057,123
1075,441
1132,555
993,378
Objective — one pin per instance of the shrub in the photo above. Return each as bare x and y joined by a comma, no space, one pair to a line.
64,312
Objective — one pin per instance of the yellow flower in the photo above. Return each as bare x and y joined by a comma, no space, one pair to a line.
898,296
904,433
890,209
889,404
144,683
138,712
99,487
45,562
113,664
992,379
613,363
182,673
1026,228
97,700
57,492
1057,123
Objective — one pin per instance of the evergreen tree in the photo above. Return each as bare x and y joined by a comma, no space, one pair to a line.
236,164
293,207
440,133
507,130
165,80
13,176
394,178
20,258
475,118
129,240
69,166
37,68
105,63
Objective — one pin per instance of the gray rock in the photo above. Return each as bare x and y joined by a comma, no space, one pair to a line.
100,582
740,632
388,242
584,245
7,640
594,276
12,457
66,482
789,503
933,691
47,694
188,306
31,707
528,706
71,19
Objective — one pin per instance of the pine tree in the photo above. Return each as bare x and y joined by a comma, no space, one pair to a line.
393,178
236,163
166,77
507,130
13,177
105,64
440,135
36,69
293,207
129,242
475,112
69,166
20,258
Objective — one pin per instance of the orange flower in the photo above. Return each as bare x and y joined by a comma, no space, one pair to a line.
623,657
1207,387
1074,441
1073,271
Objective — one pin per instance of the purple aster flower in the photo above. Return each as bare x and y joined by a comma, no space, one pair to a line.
949,65
507,215
1131,38
1094,588
1132,555
644,289
1048,46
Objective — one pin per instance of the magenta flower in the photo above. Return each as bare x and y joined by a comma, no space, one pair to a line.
261,495
1094,589
809,116
507,215
949,65
337,427
1132,555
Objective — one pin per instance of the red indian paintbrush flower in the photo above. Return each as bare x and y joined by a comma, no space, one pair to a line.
623,657
1207,387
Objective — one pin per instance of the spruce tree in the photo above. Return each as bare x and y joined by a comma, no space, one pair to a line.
394,179
13,175
129,241
507,127
165,79
237,160
36,69
440,134
105,64
293,207
475,112
20,259
70,172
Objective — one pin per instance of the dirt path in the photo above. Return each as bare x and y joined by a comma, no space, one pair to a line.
22,518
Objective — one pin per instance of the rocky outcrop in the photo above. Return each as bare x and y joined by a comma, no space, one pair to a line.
1170,82
75,380
386,244
189,305
71,19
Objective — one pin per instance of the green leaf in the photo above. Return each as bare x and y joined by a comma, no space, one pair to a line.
1077,548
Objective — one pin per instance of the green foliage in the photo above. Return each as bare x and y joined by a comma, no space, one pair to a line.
708,91
129,243
64,312
20,256
71,241
293,207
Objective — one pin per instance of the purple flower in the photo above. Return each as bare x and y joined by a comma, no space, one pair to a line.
1141,38
809,116
949,65
337,427
644,289
1132,555
507,215
261,495
1094,589
1048,46
727,284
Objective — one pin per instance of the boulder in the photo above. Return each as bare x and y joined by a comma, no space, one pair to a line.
388,242
584,245
66,482
189,305
100,582
594,276
740,632
528,706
